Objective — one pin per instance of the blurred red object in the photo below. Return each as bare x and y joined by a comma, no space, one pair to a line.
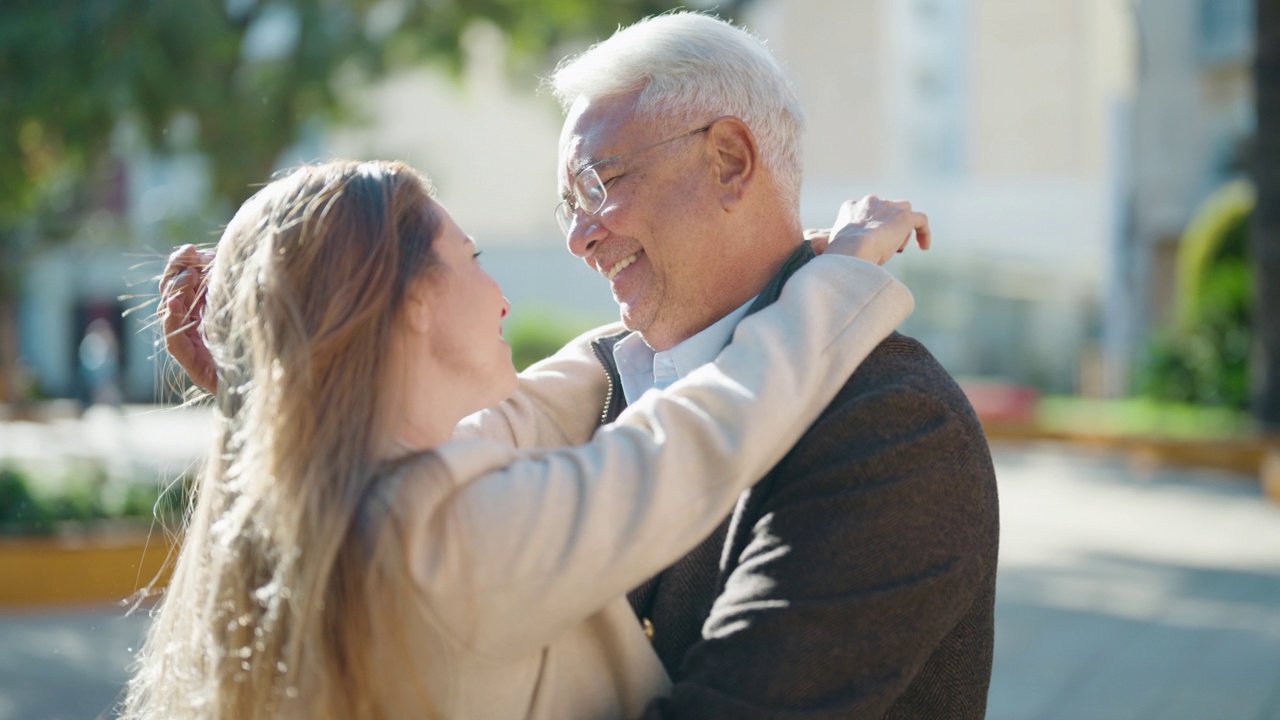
1001,402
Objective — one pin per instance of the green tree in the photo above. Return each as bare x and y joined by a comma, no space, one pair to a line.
71,70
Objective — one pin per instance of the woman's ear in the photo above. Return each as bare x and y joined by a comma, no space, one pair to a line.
736,159
417,306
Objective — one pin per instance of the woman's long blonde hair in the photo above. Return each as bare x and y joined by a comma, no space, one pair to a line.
276,601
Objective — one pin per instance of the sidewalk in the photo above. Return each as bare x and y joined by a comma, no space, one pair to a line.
1125,593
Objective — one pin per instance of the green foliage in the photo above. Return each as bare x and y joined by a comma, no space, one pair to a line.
249,74
20,512
1205,358
87,495
536,335
1139,417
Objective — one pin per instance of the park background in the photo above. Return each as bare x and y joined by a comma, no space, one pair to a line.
1099,280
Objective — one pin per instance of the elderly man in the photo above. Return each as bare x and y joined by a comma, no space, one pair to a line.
857,578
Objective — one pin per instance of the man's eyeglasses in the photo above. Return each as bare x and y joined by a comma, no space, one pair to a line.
587,192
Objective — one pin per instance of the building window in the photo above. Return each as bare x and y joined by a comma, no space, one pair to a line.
929,100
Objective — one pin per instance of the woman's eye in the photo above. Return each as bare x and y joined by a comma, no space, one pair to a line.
476,255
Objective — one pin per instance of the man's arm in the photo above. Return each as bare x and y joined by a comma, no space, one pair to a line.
871,542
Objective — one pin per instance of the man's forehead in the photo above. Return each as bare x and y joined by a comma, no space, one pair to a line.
595,129
575,154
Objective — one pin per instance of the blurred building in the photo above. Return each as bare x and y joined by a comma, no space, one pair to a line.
1004,121
107,270
1193,120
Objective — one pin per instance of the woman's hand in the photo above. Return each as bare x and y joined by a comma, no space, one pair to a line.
182,303
872,229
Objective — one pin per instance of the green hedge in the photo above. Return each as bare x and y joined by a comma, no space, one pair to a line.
536,334
86,495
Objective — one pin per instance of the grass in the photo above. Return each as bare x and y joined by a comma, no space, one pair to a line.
1141,417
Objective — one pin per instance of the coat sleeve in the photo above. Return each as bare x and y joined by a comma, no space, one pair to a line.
873,541
539,541
557,401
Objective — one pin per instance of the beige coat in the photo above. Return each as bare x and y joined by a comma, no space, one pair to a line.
522,558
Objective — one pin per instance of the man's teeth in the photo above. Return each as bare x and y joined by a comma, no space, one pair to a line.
621,265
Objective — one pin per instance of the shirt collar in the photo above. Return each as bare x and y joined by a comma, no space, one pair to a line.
640,368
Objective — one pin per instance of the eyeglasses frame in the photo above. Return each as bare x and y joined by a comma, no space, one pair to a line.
572,204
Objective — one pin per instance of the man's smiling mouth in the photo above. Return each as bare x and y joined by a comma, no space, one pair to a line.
621,265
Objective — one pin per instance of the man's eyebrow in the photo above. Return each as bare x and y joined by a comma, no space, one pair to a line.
583,163
576,167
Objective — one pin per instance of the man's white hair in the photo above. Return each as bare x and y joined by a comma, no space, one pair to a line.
692,68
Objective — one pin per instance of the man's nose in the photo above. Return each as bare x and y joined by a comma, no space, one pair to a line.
585,231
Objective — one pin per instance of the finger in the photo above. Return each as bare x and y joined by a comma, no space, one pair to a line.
175,322
197,364
186,262
818,239
187,286
924,236
180,282
184,257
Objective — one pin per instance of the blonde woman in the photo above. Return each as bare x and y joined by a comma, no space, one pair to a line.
345,559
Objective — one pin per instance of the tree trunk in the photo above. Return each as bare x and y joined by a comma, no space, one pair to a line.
13,391
1264,246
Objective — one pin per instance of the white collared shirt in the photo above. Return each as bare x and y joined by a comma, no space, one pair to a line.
642,369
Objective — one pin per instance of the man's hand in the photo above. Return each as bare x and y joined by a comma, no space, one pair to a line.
872,229
182,303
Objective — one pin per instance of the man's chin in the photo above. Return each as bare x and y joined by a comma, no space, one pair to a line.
632,318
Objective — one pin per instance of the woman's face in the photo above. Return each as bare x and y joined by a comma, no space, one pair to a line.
464,332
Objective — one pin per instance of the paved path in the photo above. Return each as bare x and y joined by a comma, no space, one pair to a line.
1129,594
1125,593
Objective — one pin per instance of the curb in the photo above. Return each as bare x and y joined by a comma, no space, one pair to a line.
1255,456
94,568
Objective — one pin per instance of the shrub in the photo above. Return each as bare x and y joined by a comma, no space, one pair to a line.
87,495
1204,358
536,335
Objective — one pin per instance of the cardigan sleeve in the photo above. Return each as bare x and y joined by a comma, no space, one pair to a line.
531,543
557,400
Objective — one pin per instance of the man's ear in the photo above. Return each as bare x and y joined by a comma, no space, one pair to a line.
736,159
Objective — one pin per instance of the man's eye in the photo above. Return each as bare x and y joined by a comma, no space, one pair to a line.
476,255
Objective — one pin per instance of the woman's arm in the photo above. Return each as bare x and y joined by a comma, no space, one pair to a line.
538,541
557,402
559,399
